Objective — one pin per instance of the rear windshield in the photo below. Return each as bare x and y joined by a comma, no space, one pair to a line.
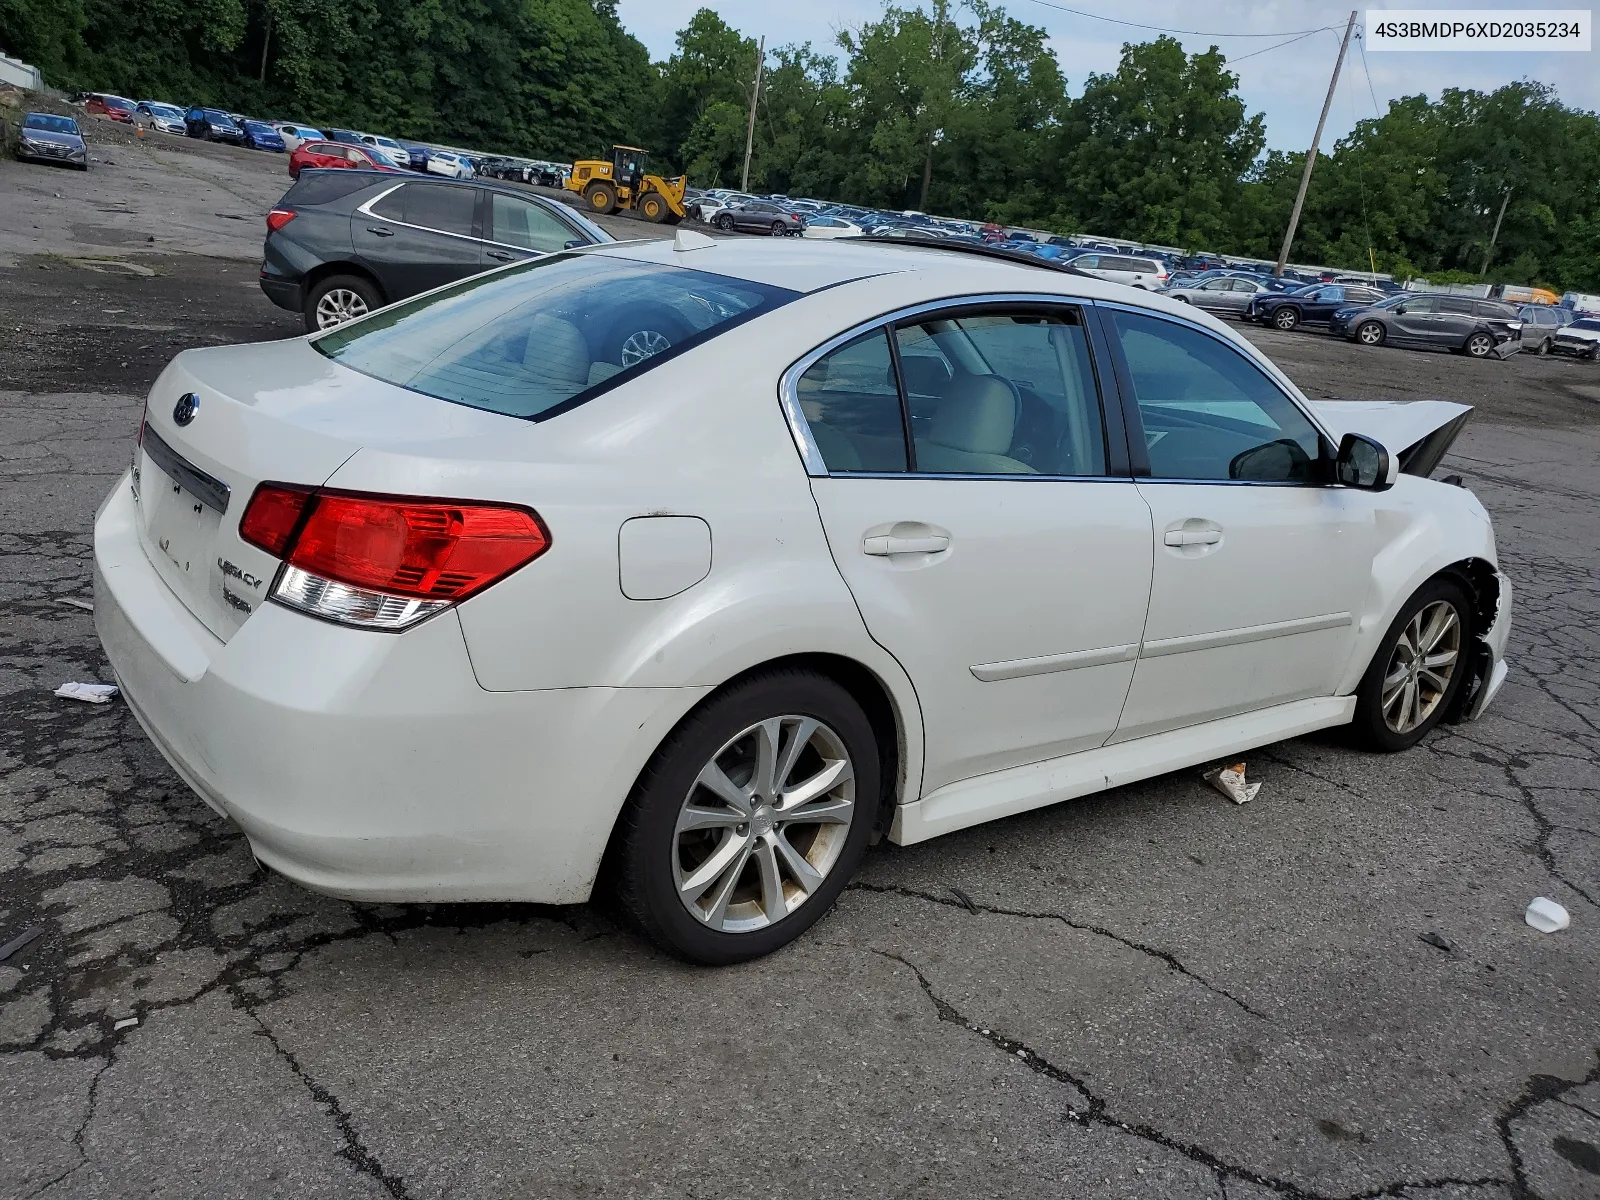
545,336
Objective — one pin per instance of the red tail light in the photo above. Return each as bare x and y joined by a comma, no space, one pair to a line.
386,562
279,217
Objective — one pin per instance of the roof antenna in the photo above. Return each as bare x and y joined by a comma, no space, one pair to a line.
687,239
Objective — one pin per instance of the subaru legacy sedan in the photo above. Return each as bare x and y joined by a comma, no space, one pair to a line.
680,569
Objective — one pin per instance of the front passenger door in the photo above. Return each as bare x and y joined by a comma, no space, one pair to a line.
1416,320
1260,569
515,229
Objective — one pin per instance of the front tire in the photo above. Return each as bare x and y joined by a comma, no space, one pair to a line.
723,222
1370,333
1286,319
1420,667
653,208
750,820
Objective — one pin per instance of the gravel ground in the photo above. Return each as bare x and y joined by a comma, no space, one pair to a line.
1149,993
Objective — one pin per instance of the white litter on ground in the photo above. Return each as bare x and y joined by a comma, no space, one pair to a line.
1546,915
92,693
1231,783
125,1023
75,603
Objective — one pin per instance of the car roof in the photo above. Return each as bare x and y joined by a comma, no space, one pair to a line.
938,271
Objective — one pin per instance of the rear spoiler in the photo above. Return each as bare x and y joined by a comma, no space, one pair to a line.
1417,432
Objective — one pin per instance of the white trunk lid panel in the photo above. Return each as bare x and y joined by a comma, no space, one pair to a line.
275,411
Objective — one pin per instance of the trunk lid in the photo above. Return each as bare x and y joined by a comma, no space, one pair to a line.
275,411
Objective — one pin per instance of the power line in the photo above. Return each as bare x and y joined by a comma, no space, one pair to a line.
1361,44
1078,12
1279,45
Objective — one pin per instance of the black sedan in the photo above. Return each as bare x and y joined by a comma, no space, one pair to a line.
1461,324
213,125
45,137
760,216
1313,305
341,243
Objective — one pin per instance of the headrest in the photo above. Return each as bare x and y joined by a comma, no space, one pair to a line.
556,356
978,414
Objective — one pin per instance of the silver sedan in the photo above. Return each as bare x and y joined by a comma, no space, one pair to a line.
1221,293
45,137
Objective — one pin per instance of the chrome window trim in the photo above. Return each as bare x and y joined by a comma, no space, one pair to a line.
800,428
365,209
1266,366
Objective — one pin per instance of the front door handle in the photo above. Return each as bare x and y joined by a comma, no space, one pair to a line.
500,255
1192,537
380,231
885,544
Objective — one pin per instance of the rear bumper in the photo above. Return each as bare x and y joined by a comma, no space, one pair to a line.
285,293
372,766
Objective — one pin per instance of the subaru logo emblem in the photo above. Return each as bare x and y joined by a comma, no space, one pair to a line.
188,404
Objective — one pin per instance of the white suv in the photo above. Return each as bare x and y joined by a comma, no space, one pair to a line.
1147,273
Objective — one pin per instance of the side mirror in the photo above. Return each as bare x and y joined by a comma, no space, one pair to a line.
1363,463
574,244
1399,310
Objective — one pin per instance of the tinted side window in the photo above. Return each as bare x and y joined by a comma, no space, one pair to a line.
1451,304
447,209
1210,413
515,222
1003,394
1421,304
851,403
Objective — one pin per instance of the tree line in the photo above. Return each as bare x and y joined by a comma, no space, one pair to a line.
948,106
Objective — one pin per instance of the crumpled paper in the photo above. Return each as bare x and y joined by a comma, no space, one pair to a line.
91,693
1231,783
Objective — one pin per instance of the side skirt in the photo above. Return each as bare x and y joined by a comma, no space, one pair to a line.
1020,789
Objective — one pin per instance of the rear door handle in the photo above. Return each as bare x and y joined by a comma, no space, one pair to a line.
883,545
1192,537
500,255
380,231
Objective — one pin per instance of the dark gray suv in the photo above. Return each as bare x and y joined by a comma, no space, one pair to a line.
344,242
1460,324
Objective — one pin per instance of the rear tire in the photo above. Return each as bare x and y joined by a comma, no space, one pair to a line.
779,229
1371,333
601,198
1479,345
337,299
1407,689
1544,348
767,894
1286,319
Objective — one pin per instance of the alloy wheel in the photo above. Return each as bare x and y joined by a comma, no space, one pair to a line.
1479,345
1286,318
646,343
339,305
1421,667
763,824
1371,334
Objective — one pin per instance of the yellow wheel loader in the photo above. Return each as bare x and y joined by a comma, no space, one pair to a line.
623,183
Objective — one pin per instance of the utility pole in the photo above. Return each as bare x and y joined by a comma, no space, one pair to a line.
750,127
1495,236
1311,156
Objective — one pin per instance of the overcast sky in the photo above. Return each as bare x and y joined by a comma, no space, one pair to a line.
1287,83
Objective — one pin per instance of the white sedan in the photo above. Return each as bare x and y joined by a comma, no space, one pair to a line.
454,166
831,228
708,559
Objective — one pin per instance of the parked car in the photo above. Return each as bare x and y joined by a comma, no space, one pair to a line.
1310,305
336,154
45,137
1477,328
116,107
258,135
388,146
1339,319
760,216
295,132
342,243
416,156
1145,273
213,125
451,166
1229,294
1540,324
1580,339
466,634
158,115
829,228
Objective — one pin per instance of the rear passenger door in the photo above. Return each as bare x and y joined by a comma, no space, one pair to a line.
417,236
984,520
1456,320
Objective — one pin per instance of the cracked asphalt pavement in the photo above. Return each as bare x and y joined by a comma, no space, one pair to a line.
1148,993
